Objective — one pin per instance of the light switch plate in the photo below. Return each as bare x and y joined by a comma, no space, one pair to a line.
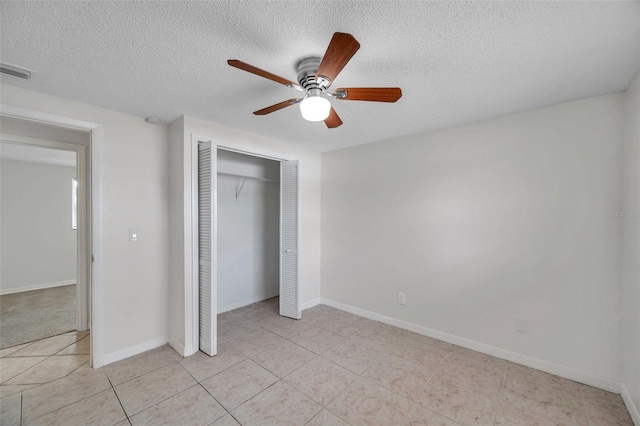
134,234
522,325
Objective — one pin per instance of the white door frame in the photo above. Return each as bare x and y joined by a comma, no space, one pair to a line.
90,265
227,146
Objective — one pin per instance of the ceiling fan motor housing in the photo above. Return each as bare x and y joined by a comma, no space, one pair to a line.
307,69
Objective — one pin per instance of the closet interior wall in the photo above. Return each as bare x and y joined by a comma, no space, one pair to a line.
248,194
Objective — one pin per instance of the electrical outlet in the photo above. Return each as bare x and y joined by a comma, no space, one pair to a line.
402,298
522,325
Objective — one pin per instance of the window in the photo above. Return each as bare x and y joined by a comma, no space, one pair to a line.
74,203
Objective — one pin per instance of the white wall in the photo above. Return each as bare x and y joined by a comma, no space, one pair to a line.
486,222
631,243
181,294
38,245
135,194
248,231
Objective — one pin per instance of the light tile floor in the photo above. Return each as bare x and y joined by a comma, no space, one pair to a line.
329,368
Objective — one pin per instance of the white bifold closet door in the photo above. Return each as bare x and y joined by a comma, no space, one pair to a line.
207,179
289,240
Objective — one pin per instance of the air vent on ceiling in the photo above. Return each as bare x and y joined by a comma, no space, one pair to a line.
15,70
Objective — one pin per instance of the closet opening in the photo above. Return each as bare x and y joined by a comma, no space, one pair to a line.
248,230
247,233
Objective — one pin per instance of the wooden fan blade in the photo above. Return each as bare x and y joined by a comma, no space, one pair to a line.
341,49
262,73
333,120
374,94
276,107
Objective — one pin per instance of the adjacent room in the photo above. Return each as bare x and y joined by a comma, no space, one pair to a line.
39,267
320,213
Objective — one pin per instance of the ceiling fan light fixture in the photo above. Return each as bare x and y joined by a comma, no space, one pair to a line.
315,108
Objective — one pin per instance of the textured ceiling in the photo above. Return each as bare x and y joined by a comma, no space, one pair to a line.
456,62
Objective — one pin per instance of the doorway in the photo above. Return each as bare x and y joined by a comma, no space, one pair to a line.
254,197
45,170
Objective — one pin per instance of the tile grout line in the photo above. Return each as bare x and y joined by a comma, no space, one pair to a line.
113,389
361,375
205,389
584,407
24,371
502,384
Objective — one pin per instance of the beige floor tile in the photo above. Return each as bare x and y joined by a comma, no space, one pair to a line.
595,396
8,351
540,385
321,380
237,384
379,333
604,407
138,365
8,390
202,366
260,316
272,302
234,327
426,339
248,309
81,347
125,422
317,339
421,416
11,367
254,342
57,394
50,369
352,356
279,404
226,420
226,316
460,403
192,407
478,370
283,359
47,346
402,377
144,391
101,409
339,327
285,327
84,367
418,352
365,403
10,410
534,412
326,418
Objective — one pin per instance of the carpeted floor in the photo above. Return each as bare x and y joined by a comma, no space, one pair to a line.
33,315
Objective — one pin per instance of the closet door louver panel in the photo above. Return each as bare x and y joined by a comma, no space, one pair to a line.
289,239
206,247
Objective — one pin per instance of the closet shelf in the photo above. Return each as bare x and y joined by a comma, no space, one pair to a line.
232,176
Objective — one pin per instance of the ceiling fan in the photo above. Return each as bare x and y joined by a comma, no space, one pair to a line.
315,75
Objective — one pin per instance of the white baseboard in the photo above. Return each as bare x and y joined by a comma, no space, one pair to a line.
178,348
248,301
631,407
311,303
133,350
549,367
36,287
189,350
